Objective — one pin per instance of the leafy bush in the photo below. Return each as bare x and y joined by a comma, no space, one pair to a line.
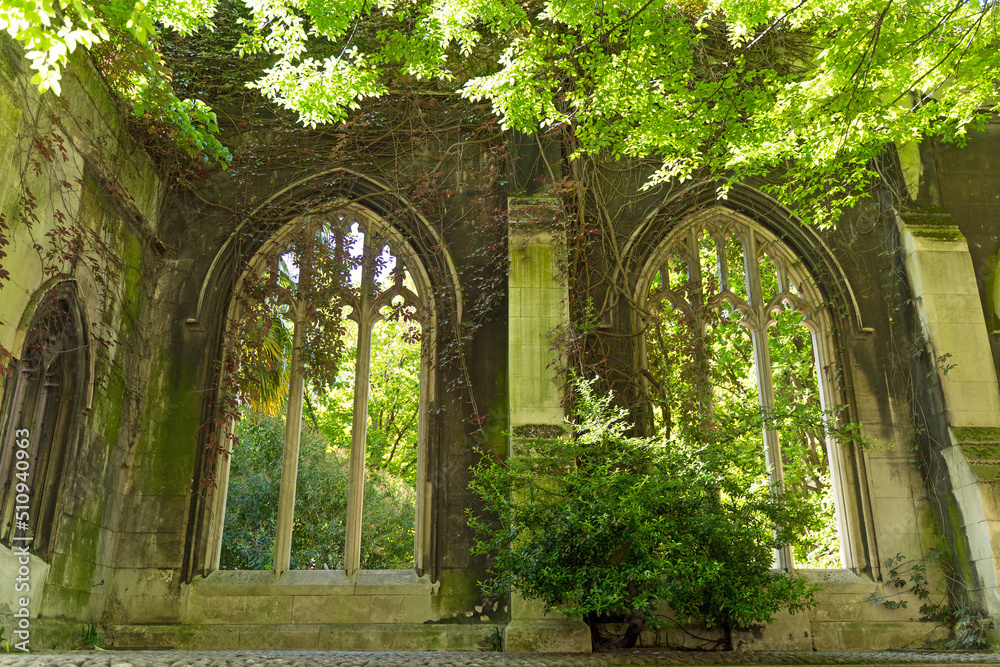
601,523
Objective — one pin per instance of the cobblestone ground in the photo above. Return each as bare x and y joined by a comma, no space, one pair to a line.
463,659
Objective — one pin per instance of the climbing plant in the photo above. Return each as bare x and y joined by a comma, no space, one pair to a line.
805,88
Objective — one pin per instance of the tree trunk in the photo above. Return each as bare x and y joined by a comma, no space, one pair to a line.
636,622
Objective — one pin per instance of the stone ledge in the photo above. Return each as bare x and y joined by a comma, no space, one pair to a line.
875,636
838,580
313,583
325,637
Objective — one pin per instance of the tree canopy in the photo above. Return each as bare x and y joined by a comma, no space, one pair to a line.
810,89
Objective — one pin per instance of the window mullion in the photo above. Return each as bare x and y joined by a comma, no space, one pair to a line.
823,363
762,363
696,296
36,437
15,412
367,316
290,458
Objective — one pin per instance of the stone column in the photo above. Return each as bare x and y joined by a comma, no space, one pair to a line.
290,458
537,305
954,329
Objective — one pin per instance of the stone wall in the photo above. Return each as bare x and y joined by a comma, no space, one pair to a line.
914,290
80,207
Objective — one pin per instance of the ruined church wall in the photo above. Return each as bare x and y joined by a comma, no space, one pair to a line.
79,206
214,231
953,243
889,508
130,549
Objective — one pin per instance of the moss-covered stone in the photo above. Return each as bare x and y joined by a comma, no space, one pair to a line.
937,234
970,434
923,210
982,452
959,544
986,471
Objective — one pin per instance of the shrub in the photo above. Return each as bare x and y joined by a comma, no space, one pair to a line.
602,523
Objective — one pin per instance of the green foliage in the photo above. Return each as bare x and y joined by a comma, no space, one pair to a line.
124,39
320,505
605,523
701,370
91,636
493,642
911,576
810,89
393,398
969,623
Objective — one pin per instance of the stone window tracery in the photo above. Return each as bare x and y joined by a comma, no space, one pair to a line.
380,280
43,413
735,323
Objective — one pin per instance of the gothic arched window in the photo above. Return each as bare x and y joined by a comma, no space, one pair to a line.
43,408
339,281
736,325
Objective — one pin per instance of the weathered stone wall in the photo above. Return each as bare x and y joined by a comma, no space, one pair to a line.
916,297
80,207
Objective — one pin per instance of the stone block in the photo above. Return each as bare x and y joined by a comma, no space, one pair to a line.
944,269
894,516
401,609
962,339
194,638
146,582
312,582
393,582
282,638
893,479
154,550
786,632
326,609
427,637
952,308
972,403
38,572
937,252
160,514
835,608
551,635
554,416
148,608
874,636
227,610
263,582
958,467
839,582
50,633
990,496
59,601
515,307
689,636
524,608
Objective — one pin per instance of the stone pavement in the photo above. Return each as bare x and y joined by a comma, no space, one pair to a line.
469,659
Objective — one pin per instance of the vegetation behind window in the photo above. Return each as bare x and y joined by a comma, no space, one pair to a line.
321,499
708,299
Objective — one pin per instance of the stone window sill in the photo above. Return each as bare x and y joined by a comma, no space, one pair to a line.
313,582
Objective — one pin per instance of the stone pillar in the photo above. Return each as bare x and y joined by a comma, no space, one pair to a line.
954,328
537,306
290,458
